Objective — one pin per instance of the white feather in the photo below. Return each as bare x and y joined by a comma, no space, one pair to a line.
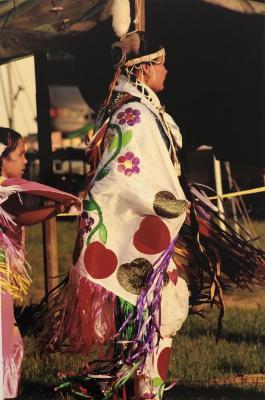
6,191
121,17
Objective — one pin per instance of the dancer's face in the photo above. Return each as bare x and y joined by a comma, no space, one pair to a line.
13,166
154,74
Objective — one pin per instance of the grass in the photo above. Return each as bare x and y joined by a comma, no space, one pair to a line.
196,360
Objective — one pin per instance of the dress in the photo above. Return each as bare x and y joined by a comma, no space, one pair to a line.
15,281
15,277
124,288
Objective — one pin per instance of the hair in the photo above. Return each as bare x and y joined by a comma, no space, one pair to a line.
148,45
10,138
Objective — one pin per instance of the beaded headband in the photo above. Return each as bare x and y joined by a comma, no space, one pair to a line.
144,59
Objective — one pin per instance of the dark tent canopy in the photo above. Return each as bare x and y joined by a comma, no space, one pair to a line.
215,58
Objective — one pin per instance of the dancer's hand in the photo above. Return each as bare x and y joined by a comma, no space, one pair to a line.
65,207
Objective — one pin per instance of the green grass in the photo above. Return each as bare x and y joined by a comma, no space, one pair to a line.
195,361
259,226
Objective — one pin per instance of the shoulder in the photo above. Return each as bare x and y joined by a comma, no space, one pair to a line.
133,113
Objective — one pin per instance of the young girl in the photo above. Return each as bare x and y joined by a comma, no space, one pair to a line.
14,275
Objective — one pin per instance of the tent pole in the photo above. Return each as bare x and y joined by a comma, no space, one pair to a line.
43,117
49,232
11,97
219,189
139,20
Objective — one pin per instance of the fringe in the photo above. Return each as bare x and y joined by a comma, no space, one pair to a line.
215,260
77,316
14,269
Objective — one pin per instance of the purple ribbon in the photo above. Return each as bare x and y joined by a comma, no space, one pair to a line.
149,301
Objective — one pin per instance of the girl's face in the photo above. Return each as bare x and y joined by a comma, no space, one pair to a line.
154,75
13,166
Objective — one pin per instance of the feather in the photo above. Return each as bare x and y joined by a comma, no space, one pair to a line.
121,17
5,191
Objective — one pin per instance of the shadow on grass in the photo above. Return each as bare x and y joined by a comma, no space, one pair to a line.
26,318
36,390
33,390
210,393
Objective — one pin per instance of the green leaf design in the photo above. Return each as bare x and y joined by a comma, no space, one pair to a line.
157,381
126,138
103,234
89,205
102,174
114,143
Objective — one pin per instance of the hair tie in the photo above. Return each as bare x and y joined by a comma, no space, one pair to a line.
3,147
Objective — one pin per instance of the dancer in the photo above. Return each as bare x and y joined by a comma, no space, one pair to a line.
124,294
14,271
123,274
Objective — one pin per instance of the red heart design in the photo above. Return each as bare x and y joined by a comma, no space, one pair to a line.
152,236
173,276
99,261
162,362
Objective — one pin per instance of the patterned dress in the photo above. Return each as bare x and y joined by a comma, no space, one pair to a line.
124,288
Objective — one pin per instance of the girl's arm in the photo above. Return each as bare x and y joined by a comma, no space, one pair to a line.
26,217
37,215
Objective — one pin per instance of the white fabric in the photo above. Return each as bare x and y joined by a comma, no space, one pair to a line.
126,200
174,307
124,85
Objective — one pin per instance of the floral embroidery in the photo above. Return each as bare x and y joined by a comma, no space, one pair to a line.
128,164
86,223
129,117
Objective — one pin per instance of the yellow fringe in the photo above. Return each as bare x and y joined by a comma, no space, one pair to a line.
17,284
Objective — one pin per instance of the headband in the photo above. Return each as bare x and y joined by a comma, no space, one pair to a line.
147,58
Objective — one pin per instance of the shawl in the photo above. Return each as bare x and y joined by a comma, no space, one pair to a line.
136,206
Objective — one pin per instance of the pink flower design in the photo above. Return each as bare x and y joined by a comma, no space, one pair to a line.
128,164
129,117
